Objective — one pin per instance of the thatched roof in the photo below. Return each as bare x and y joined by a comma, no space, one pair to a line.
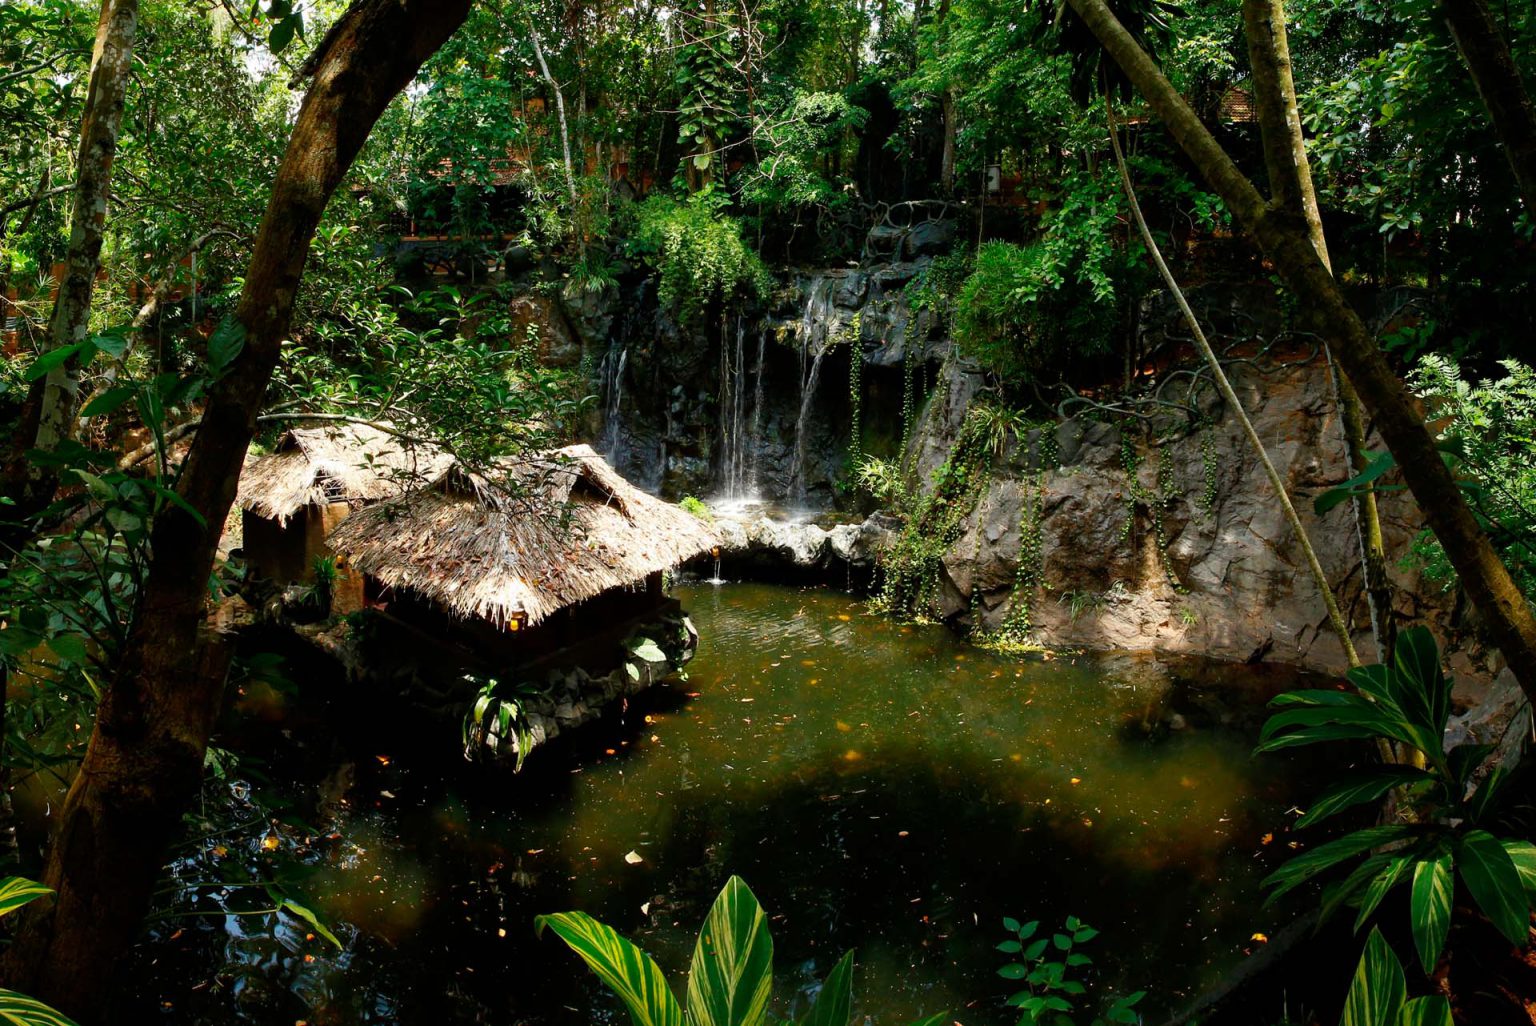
539,534
335,463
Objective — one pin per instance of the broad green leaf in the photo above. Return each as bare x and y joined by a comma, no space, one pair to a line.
1427,1011
1430,905
108,401
225,344
732,973
1380,463
1341,892
629,972
1325,856
1395,868
650,652
1417,656
932,1020
308,915
1376,994
1486,798
835,998
1357,789
1523,855
1463,759
20,1010
52,359
1494,883
16,891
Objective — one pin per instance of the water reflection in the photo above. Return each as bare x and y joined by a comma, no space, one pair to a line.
880,787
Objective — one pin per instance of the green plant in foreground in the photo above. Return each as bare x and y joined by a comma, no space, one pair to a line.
698,507
1044,965
1378,995
18,1009
730,981
1443,837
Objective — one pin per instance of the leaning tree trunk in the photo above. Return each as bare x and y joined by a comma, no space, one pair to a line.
1497,78
145,756
1290,186
48,415
1399,420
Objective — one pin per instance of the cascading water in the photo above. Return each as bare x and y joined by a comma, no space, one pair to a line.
815,321
756,442
613,393
733,415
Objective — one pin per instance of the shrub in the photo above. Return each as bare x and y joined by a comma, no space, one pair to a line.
697,507
1021,313
698,254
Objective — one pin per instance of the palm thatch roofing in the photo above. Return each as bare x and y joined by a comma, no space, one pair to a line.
342,462
523,540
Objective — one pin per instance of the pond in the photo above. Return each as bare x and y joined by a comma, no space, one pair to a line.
880,787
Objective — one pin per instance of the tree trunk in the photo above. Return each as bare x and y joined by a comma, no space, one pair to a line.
565,135
146,752
1497,78
48,415
1290,186
1398,417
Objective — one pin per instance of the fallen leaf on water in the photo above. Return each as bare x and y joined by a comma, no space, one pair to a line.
1266,839
844,617
845,728
645,909
1260,938
852,756
633,858
1076,781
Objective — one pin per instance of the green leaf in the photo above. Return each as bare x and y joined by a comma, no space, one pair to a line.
1359,788
1430,905
732,973
932,1020
20,1010
1494,883
1325,856
16,891
1011,925
1380,463
308,915
53,359
835,998
1486,798
1010,947
1084,935
69,647
282,34
1036,949
108,401
225,344
1417,656
1523,855
1012,971
629,972
1395,868
1376,994
1434,1010
1463,759
650,652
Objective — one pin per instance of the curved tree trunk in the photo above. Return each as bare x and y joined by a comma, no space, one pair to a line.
48,415
1497,78
1399,419
145,756
1290,186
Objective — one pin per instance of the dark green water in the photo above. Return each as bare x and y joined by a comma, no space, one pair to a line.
880,787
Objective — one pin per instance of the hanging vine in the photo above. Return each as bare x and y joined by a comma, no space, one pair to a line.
1158,499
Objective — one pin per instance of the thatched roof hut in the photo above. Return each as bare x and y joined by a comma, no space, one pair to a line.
534,536
341,462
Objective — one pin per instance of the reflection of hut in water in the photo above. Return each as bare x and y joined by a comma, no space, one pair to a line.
291,498
543,557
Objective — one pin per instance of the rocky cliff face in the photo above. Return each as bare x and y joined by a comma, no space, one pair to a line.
1224,575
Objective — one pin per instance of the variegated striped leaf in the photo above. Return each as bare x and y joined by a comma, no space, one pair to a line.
20,1010
732,973
629,972
16,891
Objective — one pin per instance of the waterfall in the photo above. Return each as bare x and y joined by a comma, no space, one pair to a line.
815,321
612,373
807,396
733,415
756,442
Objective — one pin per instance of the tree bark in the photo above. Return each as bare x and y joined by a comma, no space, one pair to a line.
565,134
1497,78
146,752
1290,186
1509,622
47,416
